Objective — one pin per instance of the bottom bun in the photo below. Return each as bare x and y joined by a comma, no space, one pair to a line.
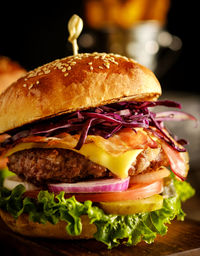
24,226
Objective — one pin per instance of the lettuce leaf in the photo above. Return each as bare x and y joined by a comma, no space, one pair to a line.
111,229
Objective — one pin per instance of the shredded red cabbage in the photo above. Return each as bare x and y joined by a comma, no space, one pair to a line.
107,120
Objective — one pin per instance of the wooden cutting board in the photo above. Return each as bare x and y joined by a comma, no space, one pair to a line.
182,239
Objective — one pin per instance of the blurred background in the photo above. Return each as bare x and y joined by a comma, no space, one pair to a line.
157,33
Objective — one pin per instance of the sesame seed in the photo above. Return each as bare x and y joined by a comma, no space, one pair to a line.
66,74
30,86
69,68
90,63
31,74
65,64
47,71
106,64
64,69
117,55
24,85
113,61
103,56
100,67
37,82
91,68
124,57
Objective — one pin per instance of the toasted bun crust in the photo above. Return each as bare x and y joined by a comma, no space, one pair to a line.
24,226
76,82
10,71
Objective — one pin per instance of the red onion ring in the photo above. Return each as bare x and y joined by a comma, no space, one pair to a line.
97,186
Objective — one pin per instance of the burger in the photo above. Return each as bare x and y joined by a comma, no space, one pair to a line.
88,155
10,71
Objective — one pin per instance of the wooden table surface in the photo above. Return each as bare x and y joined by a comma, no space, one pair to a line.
182,239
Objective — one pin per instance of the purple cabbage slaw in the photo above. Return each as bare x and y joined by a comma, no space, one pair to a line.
108,119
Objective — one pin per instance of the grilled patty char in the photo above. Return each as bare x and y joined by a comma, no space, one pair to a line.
43,166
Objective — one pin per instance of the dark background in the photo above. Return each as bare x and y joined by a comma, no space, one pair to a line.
35,33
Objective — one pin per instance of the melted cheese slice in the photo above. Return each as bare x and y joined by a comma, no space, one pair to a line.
117,164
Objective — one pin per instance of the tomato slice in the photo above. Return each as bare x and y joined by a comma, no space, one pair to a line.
134,192
178,161
149,177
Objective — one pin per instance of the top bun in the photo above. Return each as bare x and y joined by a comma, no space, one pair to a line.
75,82
10,71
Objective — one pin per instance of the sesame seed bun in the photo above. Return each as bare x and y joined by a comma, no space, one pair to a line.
10,71
22,225
76,82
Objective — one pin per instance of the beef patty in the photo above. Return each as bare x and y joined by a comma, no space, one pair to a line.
43,166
